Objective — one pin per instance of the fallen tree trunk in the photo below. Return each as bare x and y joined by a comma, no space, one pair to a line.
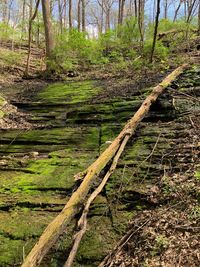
58,225
172,33
82,223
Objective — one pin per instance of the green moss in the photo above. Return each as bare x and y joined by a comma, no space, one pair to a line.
10,251
2,103
197,175
100,238
9,58
19,229
113,111
54,172
70,93
21,224
50,139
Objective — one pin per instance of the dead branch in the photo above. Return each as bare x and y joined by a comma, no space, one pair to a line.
58,225
172,32
82,223
108,259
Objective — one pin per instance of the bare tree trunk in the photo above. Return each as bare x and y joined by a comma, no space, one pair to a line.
165,9
30,37
30,13
70,14
60,15
122,11
154,10
199,20
107,22
83,16
49,40
141,20
119,11
65,13
23,16
155,30
79,15
5,11
185,9
177,10
136,8
38,31
51,4
190,11
58,225
102,18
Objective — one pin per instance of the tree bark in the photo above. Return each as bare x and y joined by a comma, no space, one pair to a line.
60,16
177,10
83,16
58,225
82,223
155,30
23,15
70,14
136,8
65,13
199,20
107,22
141,20
30,37
165,9
79,15
121,11
49,40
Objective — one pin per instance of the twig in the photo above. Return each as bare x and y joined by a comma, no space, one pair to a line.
186,95
121,244
82,223
108,260
192,123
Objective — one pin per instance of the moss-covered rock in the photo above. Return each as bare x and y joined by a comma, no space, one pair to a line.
69,93
38,166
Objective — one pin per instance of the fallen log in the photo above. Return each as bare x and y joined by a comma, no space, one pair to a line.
58,225
172,32
82,223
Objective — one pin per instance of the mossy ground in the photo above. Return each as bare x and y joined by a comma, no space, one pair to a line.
35,188
69,93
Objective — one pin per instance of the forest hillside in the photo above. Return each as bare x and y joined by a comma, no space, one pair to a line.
99,133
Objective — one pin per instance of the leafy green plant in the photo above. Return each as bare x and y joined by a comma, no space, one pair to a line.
195,212
161,242
73,49
129,31
161,52
9,58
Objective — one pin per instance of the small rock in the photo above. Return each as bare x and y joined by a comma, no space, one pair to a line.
3,163
108,142
34,154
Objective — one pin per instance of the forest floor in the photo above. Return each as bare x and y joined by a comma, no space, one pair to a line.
56,129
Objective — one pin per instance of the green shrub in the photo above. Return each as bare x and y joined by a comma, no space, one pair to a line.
161,52
129,31
75,49
7,32
9,58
